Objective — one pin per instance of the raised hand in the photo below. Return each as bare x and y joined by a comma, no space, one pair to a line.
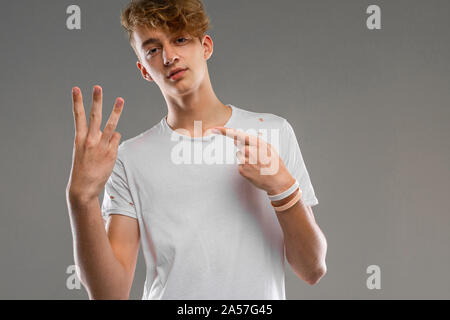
94,151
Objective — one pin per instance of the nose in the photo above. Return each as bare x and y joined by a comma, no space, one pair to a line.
169,55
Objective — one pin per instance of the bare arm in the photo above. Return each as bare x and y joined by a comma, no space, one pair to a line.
106,259
305,243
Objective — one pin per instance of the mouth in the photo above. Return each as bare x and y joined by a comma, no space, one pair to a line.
177,73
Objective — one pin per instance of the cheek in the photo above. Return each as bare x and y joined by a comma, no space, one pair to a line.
199,62
157,75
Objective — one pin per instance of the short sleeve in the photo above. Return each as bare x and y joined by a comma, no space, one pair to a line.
293,159
117,198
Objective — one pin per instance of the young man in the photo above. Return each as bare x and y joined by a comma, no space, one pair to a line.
208,229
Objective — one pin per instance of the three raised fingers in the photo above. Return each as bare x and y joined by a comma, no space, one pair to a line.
81,127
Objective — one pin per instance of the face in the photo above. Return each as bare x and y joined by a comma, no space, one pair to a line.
160,53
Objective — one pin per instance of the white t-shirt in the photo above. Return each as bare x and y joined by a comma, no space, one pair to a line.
206,231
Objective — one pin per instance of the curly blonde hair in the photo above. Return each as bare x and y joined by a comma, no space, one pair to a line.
172,16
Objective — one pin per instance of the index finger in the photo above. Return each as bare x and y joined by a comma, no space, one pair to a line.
244,138
112,121
78,112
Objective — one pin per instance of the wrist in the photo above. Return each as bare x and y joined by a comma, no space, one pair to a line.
80,199
278,203
293,199
281,186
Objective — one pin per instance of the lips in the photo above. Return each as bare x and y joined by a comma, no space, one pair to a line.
176,71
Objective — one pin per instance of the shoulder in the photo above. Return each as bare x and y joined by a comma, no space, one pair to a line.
141,142
258,120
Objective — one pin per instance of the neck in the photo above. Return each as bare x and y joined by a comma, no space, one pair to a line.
200,105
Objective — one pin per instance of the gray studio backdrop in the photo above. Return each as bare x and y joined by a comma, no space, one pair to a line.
371,110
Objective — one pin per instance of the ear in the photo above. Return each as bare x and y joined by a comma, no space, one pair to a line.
144,72
208,46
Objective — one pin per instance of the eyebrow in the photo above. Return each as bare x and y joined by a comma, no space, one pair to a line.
150,41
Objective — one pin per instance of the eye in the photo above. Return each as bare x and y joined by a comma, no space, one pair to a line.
182,38
151,51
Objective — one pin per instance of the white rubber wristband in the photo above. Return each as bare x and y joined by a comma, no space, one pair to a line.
284,194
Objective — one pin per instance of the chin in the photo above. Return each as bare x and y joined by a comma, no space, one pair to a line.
181,89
